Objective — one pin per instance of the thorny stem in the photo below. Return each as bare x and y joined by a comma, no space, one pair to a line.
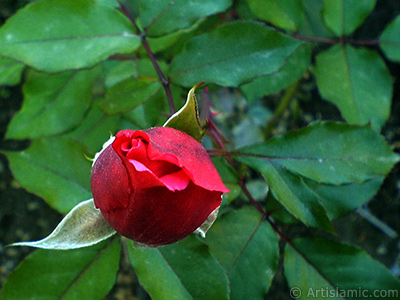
164,81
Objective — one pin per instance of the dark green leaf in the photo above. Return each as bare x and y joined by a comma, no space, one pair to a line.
295,67
286,14
146,68
87,273
313,24
358,82
55,169
83,226
162,43
232,54
247,248
95,129
225,170
128,94
343,16
342,154
74,35
160,17
230,179
278,211
10,71
328,152
120,72
148,114
390,40
110,3
185,270
187,118
291,192
340,200
340,271
53,103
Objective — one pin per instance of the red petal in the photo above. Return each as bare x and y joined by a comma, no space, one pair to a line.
159,217
191,156
177,181
147,179
110,181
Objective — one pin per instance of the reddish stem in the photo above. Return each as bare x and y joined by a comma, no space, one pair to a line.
341,40
164,81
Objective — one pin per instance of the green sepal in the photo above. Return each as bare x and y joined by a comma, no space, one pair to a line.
187,118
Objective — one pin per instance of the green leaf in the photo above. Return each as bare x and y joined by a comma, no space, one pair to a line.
10,71
327,152
295,66
148,114
343,16
357,81
146,68
390,40
291,191
187,118
247,248
316,267
313,24
83,226
54,169
286,14
95,128
230,179
128,94
160,17
87,273
225,170
82,34
163,43
340,200
345,154
53,103
110,3
232,54
185,270
120,72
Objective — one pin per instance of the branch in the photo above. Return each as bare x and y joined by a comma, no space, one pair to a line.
164,81
341,40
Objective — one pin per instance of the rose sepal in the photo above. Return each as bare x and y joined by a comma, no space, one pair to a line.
83,226
187,118
202,230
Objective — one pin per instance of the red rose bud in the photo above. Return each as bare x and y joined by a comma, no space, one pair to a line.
155,186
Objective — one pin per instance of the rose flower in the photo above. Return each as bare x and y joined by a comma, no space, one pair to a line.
155,186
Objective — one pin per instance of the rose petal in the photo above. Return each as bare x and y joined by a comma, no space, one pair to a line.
174,182
141,176
110,182
178,181
139,166
155,221
191,156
